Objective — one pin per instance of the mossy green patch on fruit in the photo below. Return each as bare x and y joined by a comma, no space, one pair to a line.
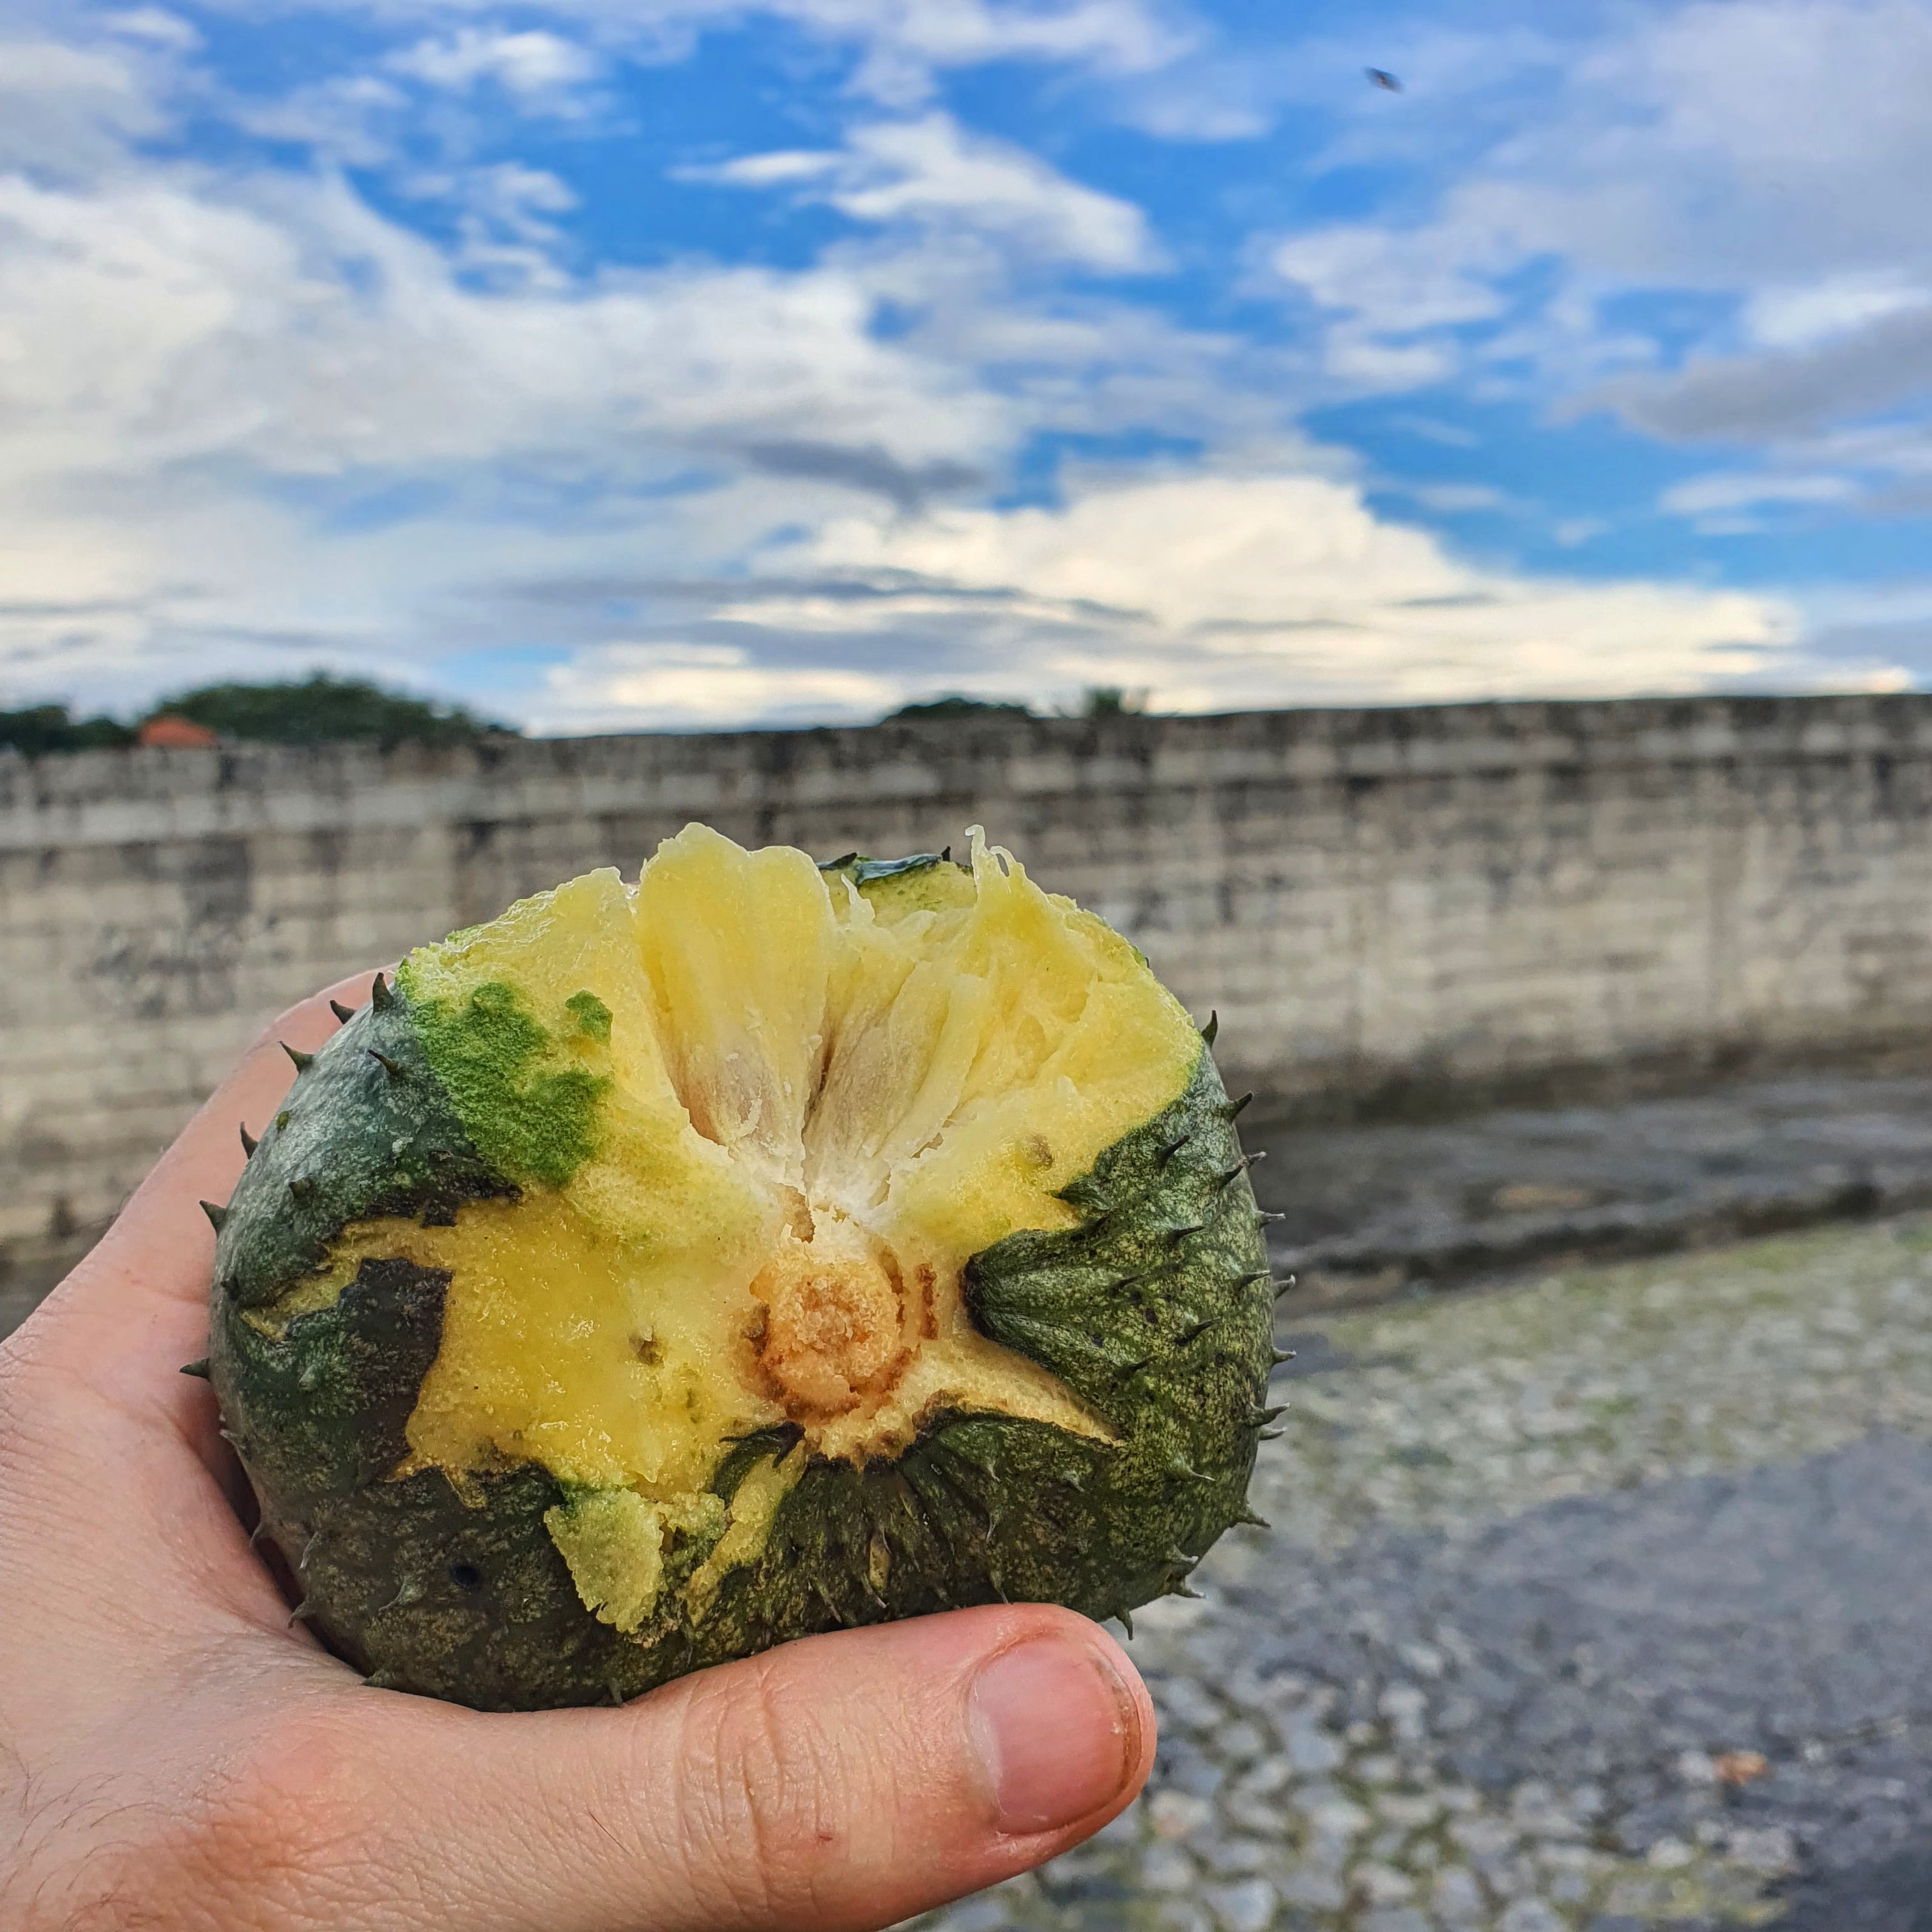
531,1115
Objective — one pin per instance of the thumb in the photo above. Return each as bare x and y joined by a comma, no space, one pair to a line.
843,1781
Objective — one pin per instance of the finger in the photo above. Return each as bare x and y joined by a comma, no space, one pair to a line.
842,1781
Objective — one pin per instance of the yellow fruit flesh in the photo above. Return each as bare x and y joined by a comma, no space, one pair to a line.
822,1102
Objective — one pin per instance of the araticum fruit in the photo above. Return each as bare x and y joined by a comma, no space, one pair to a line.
652,1276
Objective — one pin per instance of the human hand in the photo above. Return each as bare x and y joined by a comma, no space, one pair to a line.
173,1753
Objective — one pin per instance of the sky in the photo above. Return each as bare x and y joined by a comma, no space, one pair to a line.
675,364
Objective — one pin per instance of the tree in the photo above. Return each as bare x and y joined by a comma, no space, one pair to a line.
322,709
42,728
1112,701
956,704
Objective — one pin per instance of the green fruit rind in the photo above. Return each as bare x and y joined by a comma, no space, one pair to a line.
925,881
1156,1309
367,1130
864,871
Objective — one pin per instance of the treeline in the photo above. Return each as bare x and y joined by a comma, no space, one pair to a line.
316,710
1100,701
321,710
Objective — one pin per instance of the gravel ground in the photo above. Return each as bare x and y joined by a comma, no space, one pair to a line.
1596,1602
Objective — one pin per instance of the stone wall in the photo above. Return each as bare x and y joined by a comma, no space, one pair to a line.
1391,909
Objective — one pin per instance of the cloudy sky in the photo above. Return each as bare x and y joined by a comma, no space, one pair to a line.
680,363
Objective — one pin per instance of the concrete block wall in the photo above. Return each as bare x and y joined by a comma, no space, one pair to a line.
1390,908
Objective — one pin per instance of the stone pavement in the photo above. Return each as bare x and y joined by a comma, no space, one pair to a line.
1600,1602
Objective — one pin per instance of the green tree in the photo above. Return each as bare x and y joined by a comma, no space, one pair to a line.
956,704
47,727
1112,700
321,710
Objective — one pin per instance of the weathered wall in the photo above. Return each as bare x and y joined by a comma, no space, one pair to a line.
1385,906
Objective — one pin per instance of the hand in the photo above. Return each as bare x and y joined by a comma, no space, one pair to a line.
172,1753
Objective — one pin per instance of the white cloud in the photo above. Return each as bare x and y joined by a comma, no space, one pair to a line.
68,109
505,216
529,63
1571,531
906,40
671,686
932,173
1788,316
350,120
1452,435
369,115
1731,489
154,25
760,171
1391,296
1461,85
305,334
1401,281
1453,499
1726,144
1221,591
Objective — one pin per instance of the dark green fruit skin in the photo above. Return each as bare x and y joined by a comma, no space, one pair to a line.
367,1130
1157,1310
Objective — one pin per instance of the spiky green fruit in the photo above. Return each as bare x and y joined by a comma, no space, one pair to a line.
652,1276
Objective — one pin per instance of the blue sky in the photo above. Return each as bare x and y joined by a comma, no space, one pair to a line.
622,363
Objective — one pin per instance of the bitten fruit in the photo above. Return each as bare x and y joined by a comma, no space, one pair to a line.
653,1275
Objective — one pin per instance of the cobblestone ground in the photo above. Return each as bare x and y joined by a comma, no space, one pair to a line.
1599,1603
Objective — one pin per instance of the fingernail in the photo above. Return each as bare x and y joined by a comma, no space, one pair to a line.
1054,1727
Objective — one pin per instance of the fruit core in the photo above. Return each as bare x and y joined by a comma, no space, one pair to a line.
836,1328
